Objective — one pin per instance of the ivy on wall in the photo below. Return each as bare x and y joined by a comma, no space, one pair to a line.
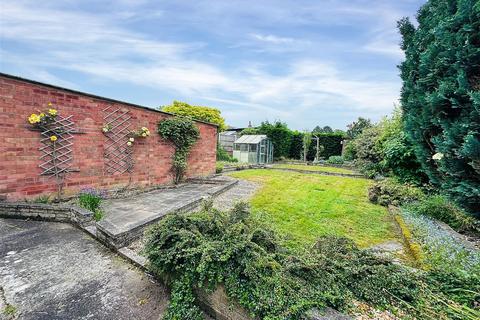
182,133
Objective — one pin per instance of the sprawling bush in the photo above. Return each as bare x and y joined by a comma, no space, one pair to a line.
442,209
208,248
441,95
335,160
368,154
390,192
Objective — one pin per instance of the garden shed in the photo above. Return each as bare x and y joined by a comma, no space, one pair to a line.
253,149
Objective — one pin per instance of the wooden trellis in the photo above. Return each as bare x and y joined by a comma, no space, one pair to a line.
118,154
57,157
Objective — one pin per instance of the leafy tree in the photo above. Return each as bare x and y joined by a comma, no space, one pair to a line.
250,131
356,127
326,129
207,114
441,95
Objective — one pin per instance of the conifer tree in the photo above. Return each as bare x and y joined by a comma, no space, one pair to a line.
441,95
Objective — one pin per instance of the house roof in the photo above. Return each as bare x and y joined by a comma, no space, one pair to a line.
251,138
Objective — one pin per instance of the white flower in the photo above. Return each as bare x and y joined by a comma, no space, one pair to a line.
438,156
131,139
144,129
129,143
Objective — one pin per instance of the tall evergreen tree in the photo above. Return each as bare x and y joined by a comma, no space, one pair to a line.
441,95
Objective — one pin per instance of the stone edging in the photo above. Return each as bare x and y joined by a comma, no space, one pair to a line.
413,248
47,212
338,174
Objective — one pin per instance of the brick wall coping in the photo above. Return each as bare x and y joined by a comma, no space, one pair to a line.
17,78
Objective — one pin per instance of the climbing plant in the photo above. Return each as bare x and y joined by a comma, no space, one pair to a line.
182,133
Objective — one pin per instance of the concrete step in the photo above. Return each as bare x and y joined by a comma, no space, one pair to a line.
126,219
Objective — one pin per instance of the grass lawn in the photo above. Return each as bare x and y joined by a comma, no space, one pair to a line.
314,168
303,207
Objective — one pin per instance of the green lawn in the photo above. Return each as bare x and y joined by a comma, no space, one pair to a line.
303,207
314,168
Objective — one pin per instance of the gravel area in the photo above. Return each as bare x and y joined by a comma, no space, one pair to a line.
242,191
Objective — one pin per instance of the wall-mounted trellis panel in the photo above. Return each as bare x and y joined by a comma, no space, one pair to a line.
57,157
118,154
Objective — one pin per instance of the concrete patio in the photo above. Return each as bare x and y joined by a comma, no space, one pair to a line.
55,271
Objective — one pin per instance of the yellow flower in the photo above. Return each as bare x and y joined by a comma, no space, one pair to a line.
53,138
52,112
42,115
34,118
49,104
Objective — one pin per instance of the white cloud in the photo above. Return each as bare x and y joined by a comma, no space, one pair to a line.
97,45
272,38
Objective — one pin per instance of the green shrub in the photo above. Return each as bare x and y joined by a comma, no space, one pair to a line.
438,207
335,160
209,248
223,155
219,167
349,153
390,192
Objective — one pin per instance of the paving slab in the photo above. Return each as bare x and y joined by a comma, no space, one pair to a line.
55,271
126,218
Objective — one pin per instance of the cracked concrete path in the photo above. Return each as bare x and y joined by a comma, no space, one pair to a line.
55,271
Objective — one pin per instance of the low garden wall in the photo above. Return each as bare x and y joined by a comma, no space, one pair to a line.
85,143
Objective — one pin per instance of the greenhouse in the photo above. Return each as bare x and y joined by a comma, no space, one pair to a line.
253,149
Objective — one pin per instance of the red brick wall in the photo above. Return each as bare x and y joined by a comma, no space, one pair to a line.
19,146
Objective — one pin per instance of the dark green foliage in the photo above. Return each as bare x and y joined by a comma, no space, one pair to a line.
438,207
182,133
441,95
280,135
210,247
357,127
296,146
326,129
389,192
335,160
331,145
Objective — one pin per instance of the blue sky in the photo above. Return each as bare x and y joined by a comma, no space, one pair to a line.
306,63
